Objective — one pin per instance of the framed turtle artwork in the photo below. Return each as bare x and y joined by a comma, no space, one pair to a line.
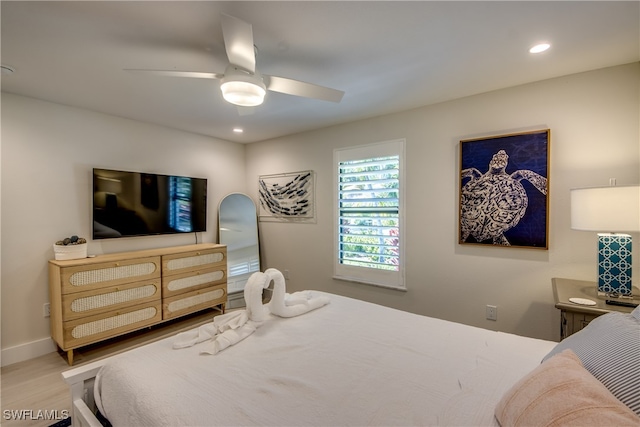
504,190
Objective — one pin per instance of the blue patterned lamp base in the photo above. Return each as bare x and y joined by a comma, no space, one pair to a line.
614,264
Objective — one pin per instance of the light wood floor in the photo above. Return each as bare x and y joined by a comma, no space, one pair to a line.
36,385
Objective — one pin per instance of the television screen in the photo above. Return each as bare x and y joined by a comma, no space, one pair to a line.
140,204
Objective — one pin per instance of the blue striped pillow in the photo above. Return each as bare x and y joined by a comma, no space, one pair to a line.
609,348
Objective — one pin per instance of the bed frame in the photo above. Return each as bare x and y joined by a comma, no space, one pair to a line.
80,381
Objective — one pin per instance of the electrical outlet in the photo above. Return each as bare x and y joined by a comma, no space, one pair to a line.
46,310
285,273
492,312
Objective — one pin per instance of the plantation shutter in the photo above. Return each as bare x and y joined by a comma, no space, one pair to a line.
369,234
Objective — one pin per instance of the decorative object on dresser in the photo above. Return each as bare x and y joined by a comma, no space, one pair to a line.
93,299
579,303
73,247
609,209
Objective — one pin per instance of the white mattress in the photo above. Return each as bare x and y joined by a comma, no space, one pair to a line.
350,363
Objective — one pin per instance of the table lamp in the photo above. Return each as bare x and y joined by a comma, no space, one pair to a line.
609,211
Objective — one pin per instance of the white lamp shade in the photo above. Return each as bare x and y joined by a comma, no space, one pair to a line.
606,209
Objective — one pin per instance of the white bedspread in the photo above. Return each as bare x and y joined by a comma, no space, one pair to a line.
350,363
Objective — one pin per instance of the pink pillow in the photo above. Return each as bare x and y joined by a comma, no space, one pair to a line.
561,392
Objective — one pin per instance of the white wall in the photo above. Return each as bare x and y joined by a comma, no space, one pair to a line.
594,119
48,152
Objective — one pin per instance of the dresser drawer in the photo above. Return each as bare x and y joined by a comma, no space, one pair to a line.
95,328
195,260
193,301
83,278
190,281
88,303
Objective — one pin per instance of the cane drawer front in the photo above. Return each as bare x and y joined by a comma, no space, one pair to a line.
90,329
190,302
95,276
195,260
87,303
192,280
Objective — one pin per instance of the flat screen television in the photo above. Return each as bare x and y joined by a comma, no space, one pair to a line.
127,204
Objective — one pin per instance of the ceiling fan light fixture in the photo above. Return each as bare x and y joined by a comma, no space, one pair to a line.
244,94
242,88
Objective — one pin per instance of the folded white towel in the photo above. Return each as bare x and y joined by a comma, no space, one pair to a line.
220,324
300,297
229,338
230,328
235,326
195,336
231,320
296,304
253,296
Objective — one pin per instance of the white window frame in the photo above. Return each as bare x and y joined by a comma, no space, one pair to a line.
370,276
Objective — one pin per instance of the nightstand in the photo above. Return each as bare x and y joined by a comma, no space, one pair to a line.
574,317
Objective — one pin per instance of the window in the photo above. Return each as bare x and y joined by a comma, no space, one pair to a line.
369,206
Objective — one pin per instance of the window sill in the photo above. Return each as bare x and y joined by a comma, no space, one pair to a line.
365,282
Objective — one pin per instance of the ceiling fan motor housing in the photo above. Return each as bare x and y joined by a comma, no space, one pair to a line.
243,88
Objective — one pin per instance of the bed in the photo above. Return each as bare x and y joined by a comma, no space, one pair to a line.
347,362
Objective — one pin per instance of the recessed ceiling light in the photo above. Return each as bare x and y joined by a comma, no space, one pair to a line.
540,48
238,130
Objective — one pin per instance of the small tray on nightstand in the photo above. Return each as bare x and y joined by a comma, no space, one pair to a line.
582,301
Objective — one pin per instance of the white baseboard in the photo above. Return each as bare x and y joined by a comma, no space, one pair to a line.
22,352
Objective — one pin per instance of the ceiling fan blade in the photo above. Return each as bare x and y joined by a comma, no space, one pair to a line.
298,88
171,73
238,41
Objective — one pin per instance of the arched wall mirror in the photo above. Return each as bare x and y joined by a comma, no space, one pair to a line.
238,229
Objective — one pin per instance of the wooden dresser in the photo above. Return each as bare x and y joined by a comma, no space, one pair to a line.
93,299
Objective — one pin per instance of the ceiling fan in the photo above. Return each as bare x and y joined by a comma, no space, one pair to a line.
241,83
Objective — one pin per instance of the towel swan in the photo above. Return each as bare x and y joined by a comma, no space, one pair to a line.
285,305
230,328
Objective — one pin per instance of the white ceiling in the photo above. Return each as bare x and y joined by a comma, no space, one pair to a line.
386,56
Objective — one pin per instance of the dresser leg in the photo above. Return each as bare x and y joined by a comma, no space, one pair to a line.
70,357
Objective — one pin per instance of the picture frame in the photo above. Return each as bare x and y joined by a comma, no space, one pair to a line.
504,190
287,197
